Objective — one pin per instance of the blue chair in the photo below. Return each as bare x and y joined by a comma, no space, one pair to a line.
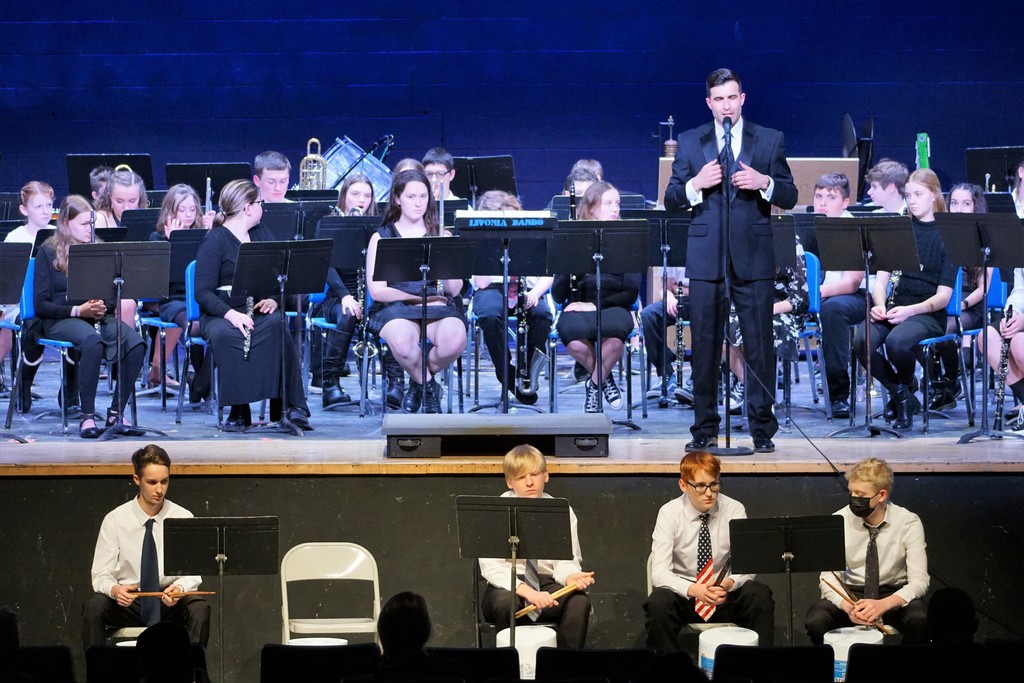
997,293
161,326
953,311
192,314
325,326
813,331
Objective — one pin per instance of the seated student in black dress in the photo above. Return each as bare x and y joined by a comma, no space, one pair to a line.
226,325
179,211
355,198
396,313
577,326
918,304
487,301
90,325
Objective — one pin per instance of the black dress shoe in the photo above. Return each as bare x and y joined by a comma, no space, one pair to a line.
395,394
413,398
334,394
432,397
298,417
907,405
702,442
88,432
126,429
234,425
762,444
941,396
840,409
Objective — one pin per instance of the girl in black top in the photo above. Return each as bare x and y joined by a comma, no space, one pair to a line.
919,303
90,325
225,323
577,325
396,314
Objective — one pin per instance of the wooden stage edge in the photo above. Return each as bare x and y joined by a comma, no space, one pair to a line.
315,457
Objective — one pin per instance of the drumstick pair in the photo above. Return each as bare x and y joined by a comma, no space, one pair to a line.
848,596
557,594
160,594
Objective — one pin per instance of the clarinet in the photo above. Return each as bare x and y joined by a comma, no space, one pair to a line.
1004,363
680,342
247,344
522,332
894,282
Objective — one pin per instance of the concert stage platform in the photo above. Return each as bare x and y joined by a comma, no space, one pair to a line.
335,484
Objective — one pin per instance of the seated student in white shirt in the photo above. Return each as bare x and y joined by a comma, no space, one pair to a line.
685,593
439,166
902,579
526,474
117,563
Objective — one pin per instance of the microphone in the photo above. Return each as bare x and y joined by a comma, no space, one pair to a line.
727,125
381,141
355,211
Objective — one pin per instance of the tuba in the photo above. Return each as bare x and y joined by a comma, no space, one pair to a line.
312,168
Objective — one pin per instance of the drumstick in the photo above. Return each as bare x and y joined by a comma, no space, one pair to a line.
557,594
721,574
846,589
160,594
877,623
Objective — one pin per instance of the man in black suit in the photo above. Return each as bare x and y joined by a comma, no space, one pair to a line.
759,177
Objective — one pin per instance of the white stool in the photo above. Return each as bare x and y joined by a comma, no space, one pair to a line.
315,642
711,638
842,638
529,639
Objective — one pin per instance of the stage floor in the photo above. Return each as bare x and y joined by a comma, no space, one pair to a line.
343,443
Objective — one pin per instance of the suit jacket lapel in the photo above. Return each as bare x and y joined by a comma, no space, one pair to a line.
747,146
709,144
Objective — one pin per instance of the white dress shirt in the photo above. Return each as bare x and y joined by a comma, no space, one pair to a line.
497,571
118,555
1016,297
695,197
902,560
674,542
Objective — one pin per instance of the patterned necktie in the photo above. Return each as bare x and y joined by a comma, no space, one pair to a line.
871,564
705,566
532,578
150,579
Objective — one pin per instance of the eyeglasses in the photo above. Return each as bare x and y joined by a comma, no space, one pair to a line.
261,202
436,174
702,488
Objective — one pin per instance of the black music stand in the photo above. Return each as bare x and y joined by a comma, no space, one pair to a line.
311,212
194,546
476,175
666,249
983,241
207,178
784,236
585,247
282,219
289,268
350,235
783,545
14,258
133,270
406,259
509,527
139,224
512,246
80,165
41,236
872,244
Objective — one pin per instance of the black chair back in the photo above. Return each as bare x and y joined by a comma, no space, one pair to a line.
46,663
809,664
481,664
113,664
617,665
311,664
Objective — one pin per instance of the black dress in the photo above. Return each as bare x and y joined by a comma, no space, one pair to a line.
242,381
382,313
618,294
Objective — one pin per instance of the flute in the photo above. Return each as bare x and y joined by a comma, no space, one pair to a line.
247,344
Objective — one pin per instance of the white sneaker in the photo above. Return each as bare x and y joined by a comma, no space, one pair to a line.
612,395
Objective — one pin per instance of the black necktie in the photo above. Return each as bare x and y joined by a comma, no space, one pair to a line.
705,566
150,579
871,564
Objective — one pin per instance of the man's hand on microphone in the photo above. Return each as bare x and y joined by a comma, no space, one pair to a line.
709,176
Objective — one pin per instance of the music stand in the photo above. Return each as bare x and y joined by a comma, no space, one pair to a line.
585,247
511,246
977,240
194,546
139,224
350,235
666,249
14,258
133,270
282,220
872,244
406,259
207,178
778,545
80,165
310,214
296,268
110,235
476,175
41,236
510,527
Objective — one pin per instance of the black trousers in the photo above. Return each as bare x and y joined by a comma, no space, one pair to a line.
897,364
667,613
487,305
911,620
101,612
655,324
708,315
572,614
837,315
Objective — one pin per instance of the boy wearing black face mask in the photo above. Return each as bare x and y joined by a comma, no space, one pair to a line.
890,589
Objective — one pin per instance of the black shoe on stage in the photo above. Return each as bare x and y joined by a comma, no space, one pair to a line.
432,397
762,444
298,417
840,409
701,442
907,405
413,398
333,393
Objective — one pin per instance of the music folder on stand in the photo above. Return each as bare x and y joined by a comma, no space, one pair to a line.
283,269
119,270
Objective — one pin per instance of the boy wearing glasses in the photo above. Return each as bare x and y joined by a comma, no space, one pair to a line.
689,550
272,175
439,166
